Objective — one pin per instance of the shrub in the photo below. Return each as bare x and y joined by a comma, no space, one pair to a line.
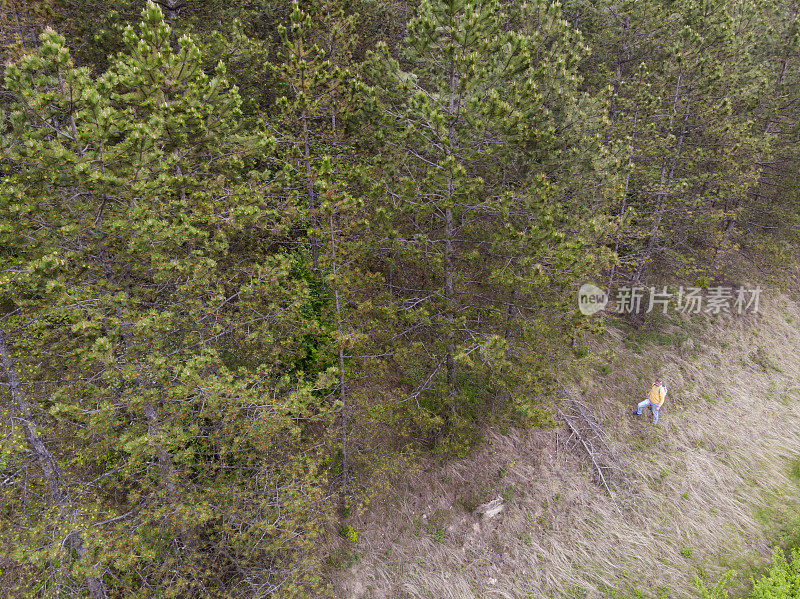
347,532
783,579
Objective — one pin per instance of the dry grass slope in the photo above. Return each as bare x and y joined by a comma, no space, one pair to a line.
702,490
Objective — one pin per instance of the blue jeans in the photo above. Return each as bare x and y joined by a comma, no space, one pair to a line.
644,404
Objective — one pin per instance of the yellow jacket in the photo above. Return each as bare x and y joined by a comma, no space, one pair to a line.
657,394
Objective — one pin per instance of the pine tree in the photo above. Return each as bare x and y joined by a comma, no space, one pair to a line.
476,222
770,215
158,327
684,101
313,85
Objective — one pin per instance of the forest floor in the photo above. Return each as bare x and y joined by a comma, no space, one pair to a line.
705,491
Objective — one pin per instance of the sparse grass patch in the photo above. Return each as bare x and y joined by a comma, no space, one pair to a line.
771,390
542,521
663,338
577,593
504,469
635,345
436,533
794,470
762,358
663,592
581,352
706,396
630,593
343,557
472,497
718,591
789,536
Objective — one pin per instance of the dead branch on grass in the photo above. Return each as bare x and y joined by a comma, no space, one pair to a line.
585,432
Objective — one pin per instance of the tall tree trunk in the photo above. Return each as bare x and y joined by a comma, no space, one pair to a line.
164,462
342,386
45,459
449,232
667,173
331,50
312,204
624,202
776,95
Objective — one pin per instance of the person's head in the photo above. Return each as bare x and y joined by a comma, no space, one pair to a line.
658,382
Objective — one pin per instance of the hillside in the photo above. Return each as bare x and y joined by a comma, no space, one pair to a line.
288,295
704,491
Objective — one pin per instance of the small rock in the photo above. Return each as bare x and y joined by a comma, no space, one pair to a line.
491,508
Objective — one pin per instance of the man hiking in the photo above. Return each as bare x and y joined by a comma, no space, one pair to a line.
655,399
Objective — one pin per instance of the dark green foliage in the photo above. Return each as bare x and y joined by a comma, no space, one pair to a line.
178,348
478,203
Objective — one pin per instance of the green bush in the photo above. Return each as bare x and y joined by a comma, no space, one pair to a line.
347,532
783,579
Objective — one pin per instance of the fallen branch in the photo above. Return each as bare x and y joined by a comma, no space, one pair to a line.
590,453
587,433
